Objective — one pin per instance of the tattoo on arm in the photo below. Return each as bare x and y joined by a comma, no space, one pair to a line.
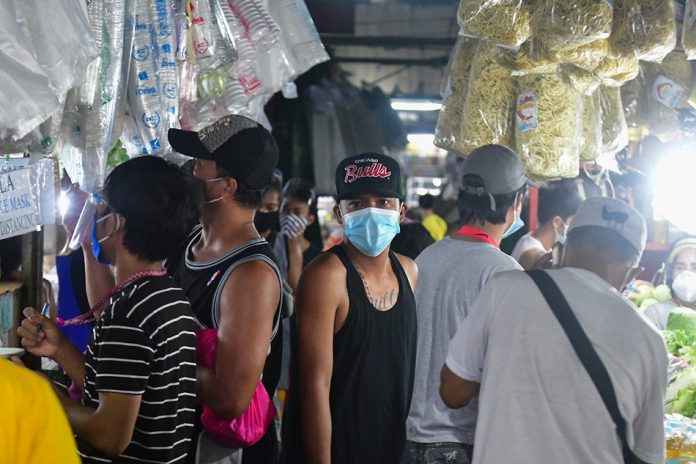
384,302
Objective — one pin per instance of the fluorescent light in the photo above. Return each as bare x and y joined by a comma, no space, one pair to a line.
674,189
421,139
409,104
63,204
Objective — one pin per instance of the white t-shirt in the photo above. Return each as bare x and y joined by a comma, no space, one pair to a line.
451,275
524,244
537,402
658,313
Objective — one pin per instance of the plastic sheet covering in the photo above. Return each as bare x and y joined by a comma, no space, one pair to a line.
643,29
224,51
547,127
202,37
591,127
614,127
87,88
261,28
71,147
490,103
299,34
668,92
43,189
182,25
563,24
634,97
503,22
616,71
688,39
451,117
581,80
586,56
275,67
222,12
26,98
521,62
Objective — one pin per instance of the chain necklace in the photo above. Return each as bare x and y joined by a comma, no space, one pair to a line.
88,317
362,277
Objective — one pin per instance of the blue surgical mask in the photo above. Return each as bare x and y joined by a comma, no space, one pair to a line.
371,230
516,225
96,243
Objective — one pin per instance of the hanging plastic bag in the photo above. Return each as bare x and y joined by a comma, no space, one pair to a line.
490,102
521,61
581,80
643,29
591,129
616,71
634,98
614,127
449,121
547,127
564,24
202,37
586,56
261,28
688,39
668,92
503,22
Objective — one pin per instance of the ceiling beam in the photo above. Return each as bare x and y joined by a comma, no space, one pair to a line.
386,41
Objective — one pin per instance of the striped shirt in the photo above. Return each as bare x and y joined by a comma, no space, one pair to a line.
144,344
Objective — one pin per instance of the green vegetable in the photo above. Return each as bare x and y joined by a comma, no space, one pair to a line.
678,339
662,293
681,394
682,319
646,303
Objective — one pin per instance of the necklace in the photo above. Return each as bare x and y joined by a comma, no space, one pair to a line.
88,317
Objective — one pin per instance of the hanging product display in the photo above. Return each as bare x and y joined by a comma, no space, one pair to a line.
563,24
591,127
688,38
503,22
586,56
520,62
614,127
643,29
668,84
547,126
616,71
579,79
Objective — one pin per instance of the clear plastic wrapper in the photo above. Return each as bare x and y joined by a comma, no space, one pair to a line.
182,24
521,62
669,84
43,189
586,56
634,98
591,127
84,222
244,69
616,71
222,54
503,22
71,147
643,29
564,24
581,80
614,127
222,12
299,34
274,69
202,37
547,127
449,121
87,89
490,102
165,57
688,38
261,28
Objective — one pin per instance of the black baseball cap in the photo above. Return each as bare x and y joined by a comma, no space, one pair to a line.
236,143
368,173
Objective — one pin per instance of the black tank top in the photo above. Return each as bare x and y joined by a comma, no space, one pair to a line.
372,380
203,282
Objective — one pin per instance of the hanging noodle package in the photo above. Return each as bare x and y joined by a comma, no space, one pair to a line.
520,62
581,80
591,130
614,128
504,22
634,98
643,29
668,91
586,56
563,24
547,126
616,71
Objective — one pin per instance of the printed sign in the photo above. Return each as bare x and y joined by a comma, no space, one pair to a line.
18,213
667,92
527,114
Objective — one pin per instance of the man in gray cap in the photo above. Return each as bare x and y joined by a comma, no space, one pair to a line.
541,400
453,271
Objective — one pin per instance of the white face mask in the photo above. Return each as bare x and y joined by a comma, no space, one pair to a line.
561,238
684,287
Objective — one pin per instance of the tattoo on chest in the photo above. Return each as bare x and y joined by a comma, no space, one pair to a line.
385,301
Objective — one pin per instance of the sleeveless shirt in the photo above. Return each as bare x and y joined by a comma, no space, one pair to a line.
372,380
203,282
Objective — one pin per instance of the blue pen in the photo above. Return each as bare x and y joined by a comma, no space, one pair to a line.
45,311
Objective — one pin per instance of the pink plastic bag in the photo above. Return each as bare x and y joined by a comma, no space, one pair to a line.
246,429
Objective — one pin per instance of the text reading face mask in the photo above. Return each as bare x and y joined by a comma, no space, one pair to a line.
684,287
371,230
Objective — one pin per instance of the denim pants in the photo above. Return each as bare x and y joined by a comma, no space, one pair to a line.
437,453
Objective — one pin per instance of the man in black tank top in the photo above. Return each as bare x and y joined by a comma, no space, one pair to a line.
352,372
231,278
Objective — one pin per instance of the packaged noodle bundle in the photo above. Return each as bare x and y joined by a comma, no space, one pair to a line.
614,128
449,122
504,22
616,71
581,80
490,102
591,129
520,62
563,24
635,100
586,56
643,29
547,126
688,39
668,91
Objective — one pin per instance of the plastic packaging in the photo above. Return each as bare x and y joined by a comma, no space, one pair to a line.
202,37
668,92
643,29
563,24
614,127
688,38
634,97
581,80
586,56
616,71
490,102
84,223
547,126
223,15
521,62
591,127
261,28
503,22
449,121
223,53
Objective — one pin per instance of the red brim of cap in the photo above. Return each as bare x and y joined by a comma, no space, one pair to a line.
529,183
187,143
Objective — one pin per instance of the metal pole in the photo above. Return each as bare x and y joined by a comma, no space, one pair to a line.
32,282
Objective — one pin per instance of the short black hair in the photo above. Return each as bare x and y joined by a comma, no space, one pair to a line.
426,201
412,240
302,190
245,196
558,199
611,243
477,208
159,201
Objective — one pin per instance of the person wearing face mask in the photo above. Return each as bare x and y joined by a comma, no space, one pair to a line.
354,356
512,353
267,223
680,276
452,272
558,202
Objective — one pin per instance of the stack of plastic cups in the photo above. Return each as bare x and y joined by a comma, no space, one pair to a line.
262,29
88,87
201,22
222,51
165,58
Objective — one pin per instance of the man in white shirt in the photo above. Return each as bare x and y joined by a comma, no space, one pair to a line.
537,403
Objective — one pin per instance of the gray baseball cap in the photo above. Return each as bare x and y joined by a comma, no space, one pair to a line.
613,214
498,167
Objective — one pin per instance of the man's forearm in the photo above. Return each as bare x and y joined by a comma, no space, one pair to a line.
73,363
316,425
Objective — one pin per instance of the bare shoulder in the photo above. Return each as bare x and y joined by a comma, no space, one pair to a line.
254,271
410,268
326,267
